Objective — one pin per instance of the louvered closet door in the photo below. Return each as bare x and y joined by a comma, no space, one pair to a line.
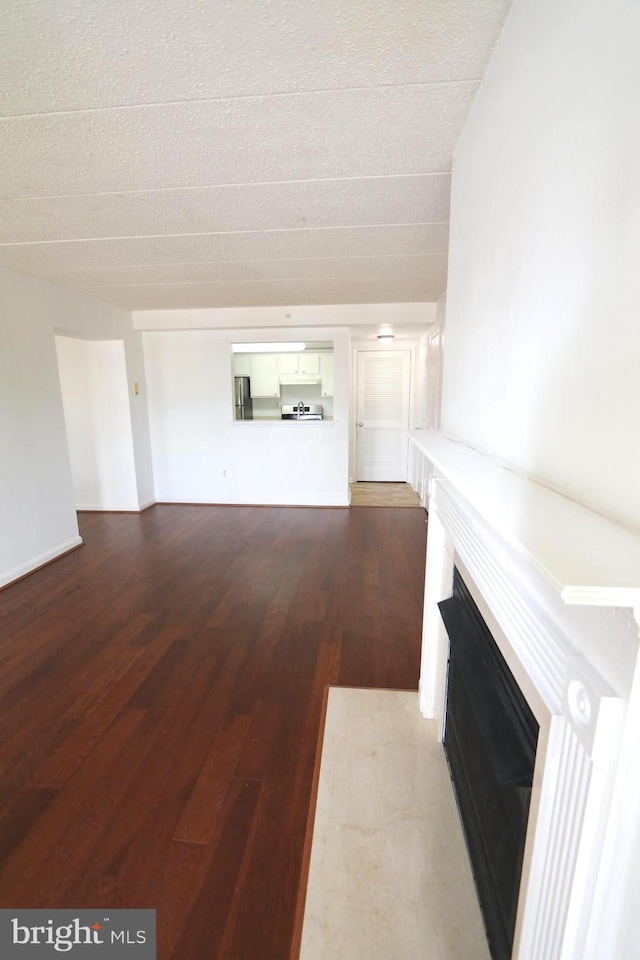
382,414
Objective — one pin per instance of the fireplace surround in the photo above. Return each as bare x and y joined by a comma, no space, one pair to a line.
552,580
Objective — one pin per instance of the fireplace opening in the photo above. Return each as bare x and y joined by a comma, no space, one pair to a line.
490,744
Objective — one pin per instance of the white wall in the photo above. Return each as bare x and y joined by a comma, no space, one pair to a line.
541,363
201,454
284,322
134,360
93,378
335,315
441,310
429,367
37,513
542,353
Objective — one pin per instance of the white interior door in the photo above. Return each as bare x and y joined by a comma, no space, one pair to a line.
382,414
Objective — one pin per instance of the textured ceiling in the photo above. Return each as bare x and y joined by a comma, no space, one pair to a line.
253,152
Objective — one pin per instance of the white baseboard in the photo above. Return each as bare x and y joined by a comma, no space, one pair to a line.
147,504
10,575
256,503
106,508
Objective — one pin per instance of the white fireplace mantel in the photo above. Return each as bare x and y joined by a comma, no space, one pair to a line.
587,558
534,562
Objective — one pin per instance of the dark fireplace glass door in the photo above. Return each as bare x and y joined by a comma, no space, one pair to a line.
490,744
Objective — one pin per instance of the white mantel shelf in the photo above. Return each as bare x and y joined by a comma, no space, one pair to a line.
588,559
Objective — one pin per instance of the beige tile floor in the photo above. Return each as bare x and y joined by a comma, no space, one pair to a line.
389,877
365,494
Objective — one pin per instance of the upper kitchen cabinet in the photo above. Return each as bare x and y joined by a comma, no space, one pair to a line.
241,365
288,364
299,364
265,378
309,364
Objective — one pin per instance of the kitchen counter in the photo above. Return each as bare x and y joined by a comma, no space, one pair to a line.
325,420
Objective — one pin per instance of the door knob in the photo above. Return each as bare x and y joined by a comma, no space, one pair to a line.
361,424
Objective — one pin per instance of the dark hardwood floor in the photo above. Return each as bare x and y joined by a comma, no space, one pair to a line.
160,699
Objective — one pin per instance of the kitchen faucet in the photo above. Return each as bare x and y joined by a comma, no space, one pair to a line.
300,409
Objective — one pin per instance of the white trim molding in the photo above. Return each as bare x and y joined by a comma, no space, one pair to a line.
41,561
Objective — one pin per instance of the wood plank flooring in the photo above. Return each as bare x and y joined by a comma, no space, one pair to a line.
160,698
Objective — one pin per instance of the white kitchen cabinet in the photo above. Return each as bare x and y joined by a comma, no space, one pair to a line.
309,363
288,363
242,365
303,364
326,374
265,379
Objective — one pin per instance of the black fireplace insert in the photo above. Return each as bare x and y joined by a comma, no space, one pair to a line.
490,743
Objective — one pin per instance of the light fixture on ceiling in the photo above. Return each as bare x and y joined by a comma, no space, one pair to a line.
385,337
268,347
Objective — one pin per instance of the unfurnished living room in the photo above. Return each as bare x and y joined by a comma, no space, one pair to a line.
319,480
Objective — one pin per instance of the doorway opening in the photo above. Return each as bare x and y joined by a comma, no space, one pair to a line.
94,385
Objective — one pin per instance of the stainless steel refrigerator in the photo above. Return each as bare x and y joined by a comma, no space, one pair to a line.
243,402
